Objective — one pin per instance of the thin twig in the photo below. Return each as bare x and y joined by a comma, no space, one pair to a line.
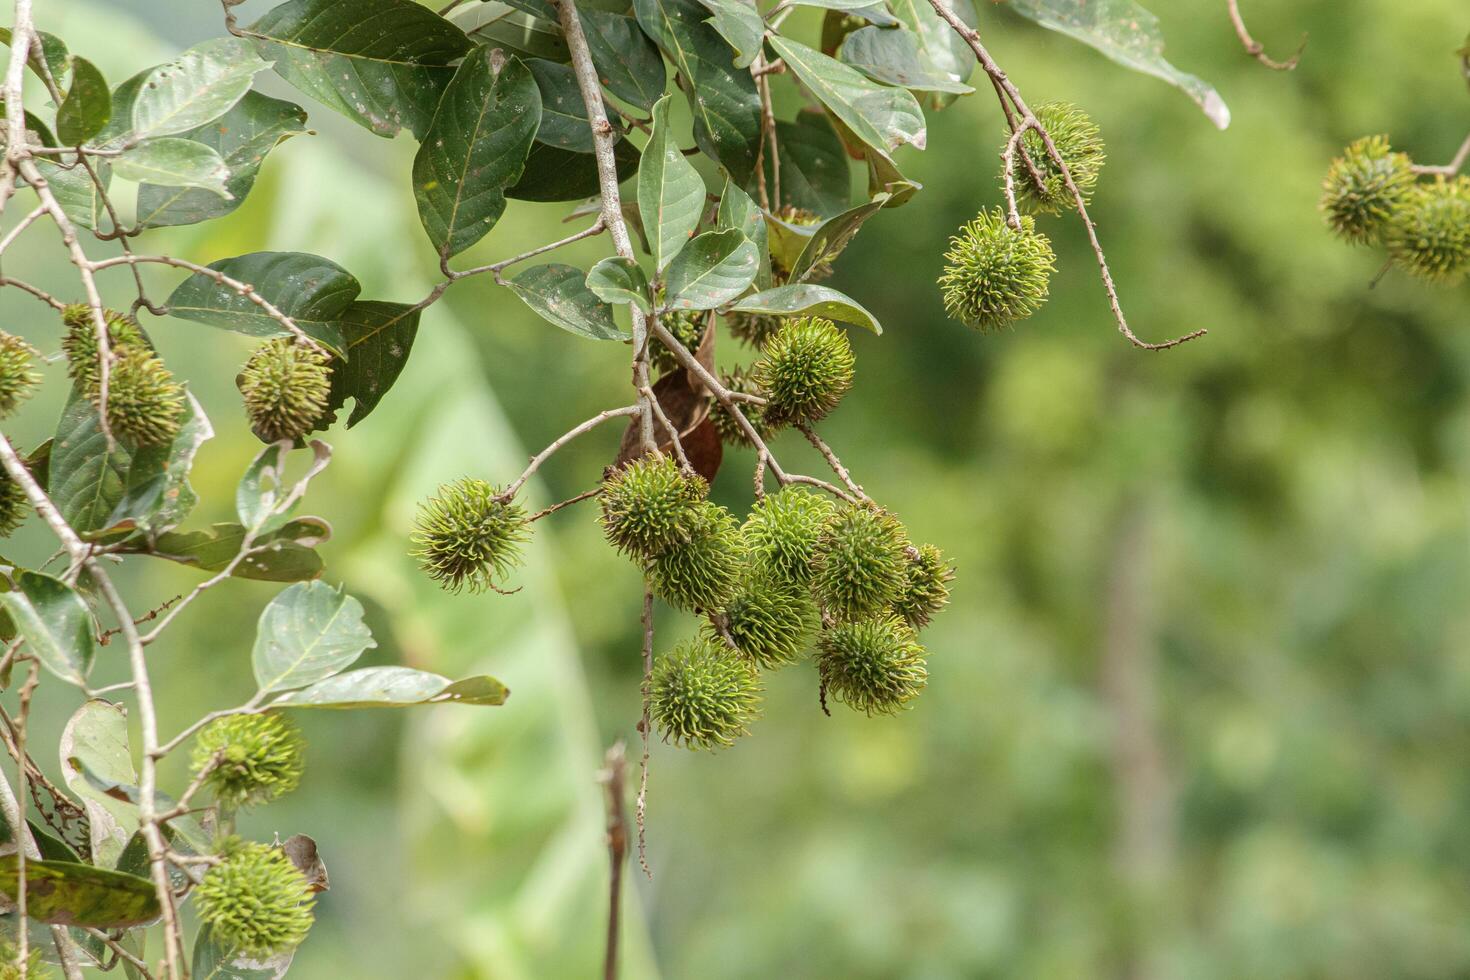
548,511
1254,48
614,767
1448,169
612,413
644,725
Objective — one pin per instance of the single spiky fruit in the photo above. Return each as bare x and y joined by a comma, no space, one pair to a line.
1429,233
769,621
738,380
926,586
687,326
701,572
860,563
16,377
10,965
145,405
468,536
804,370
255,899
753,329
875,666
1363,188
649,505
996,275
285,385
14,505
702,698
1079,142
80,341
782,531
250,759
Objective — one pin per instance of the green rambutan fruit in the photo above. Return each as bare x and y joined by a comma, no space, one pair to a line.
781,533
79,342
769,621
1428,234
285,386
1363,188
260,758
649,505
145,405
1077,139
687,326
996,275
10,965
875,666
926,586
701,572
16,377
468,536
255,900
753,329
702,698
739,381
860,564
14,505
804,370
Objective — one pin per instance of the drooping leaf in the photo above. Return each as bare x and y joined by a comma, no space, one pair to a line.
177,162
216,960
157,495
87,478
884,177
70,894
739,23
832,236
87,106
559,294
880,116
554,174
377,339
263,494
563,113
474,149
311,290
786,240
716,267
381,63
198,87
96,739
815,175
54,622
287,555
307,633
941,46
896,58
185,829
619,280
809,300
394,687
670,191
627,61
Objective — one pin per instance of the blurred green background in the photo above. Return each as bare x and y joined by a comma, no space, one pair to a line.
1201,707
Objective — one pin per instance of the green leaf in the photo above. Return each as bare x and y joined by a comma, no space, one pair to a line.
474,149
52,54
1128,34
75,191
554,174
381,63
810,300
563,113
259,491
242,137
832,236
627,61
559,294
741,24
307,633
884,178
87,106
500,25
815,175
175,161
721,97
739,211
186,827
198,87
715,268
670,191
64,893
879,116
95,739
55,623
895,58
394,687
786,240
36,130
942,47
311,290
619,280
216,960
378,338
87,478
157,495
290,556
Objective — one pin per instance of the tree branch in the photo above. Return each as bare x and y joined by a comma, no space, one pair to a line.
1254,48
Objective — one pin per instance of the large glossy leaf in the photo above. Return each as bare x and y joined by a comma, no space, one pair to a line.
394,687
156,494
619,280
215,959
175,161
563,113
715,268
70,894
738,210
381,63
289,557
815,175
311,290
87,478
880,116
895,57
474,149
559,294
739,23
942,47
810,300
377,339
627,61
242,137
198,87
1128,34
95,739
55,623
721,97
87,106
554,174
670,191
307,633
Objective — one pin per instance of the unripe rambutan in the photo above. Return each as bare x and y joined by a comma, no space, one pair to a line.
804,370
1079,142
687,326
875,666
145,405
1429,232
79,342
14,505
753,329
255,900
1363,188
739,381
769,621
926,586
16,377
781,533
285,386
648,506
700,697
701,572
10,965
260,758
860,563
468,536
996,275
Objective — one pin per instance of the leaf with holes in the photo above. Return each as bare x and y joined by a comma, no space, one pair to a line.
309,289
307,633
377,339
199,86
878,115
559,294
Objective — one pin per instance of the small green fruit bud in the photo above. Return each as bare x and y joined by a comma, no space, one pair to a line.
1363,188
769,621
687,326
259,758
739,381
255,900
16,377
875,666
145,405
804,370
14,505
926,586
285,386
782,530
648,506
1079,142
701,572
80,341
995,274
861,561
469,536
1429,233
701,698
